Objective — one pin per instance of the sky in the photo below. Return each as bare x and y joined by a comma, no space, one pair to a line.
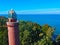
29,5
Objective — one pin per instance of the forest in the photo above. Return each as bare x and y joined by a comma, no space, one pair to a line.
30,33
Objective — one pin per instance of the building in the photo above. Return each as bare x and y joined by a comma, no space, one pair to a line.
12,25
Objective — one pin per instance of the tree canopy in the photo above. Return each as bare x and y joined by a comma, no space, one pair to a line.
30,33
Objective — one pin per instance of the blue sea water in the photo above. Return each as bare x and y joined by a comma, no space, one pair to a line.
50,19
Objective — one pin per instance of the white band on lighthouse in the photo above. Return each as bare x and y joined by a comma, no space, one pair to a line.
11,24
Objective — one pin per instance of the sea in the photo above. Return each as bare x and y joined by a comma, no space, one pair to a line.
41,19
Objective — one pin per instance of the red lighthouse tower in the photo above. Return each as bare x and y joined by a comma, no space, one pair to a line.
13,32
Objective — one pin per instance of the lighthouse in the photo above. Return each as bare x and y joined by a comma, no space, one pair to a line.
12,26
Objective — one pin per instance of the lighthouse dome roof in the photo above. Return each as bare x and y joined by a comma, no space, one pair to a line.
11,11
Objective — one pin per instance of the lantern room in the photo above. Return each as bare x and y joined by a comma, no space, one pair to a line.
12,16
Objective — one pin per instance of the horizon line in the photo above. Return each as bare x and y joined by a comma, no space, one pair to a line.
36,11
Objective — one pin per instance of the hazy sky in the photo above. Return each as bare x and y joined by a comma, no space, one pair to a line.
20,5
